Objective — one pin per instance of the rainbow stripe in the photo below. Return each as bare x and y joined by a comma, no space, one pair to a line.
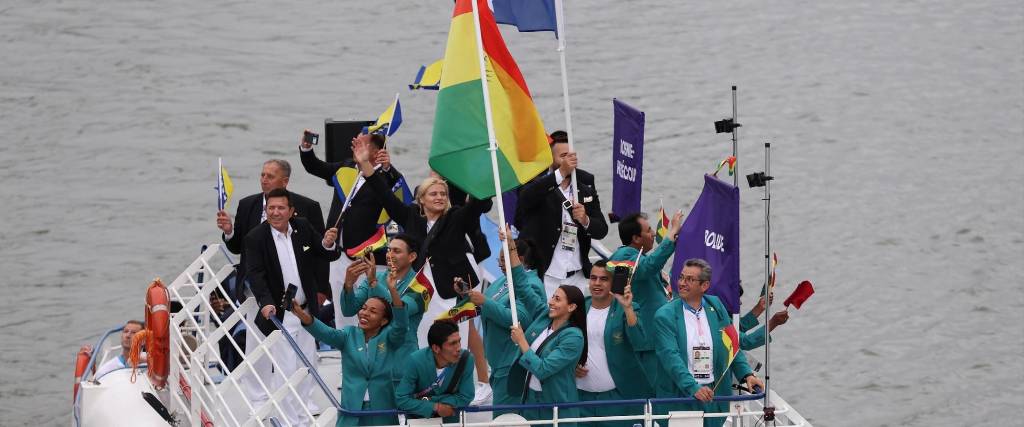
377,241
458,150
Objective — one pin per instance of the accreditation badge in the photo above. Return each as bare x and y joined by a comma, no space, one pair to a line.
568,237
702,366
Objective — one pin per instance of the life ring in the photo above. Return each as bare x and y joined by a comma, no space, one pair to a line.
156,336
81,362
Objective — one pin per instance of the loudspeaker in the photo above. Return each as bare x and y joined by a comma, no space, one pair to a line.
338,138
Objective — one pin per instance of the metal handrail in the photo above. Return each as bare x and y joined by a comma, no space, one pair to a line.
312,370
88,370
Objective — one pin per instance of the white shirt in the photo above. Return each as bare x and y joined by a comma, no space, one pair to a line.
110,366
599,376
564,261
534,382
286,257
698,333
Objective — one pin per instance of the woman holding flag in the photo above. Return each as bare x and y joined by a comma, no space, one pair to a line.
697,347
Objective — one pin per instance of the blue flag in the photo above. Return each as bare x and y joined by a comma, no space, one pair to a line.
627,160
526,15
712,232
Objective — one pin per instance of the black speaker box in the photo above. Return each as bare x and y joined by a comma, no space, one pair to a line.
338,136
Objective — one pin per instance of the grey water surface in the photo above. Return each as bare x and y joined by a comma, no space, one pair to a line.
897,128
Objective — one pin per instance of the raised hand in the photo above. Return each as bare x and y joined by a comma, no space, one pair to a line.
224,222
304,317
677,222
330,237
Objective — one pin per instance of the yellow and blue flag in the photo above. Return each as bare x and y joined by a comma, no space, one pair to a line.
224,186
389,121
429,76
344,181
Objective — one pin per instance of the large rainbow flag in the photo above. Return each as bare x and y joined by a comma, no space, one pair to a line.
458,150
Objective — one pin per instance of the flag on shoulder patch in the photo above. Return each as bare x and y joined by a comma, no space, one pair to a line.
377,241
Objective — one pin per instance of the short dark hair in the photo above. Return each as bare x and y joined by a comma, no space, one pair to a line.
528,252
630,226
601,263
410,241
136,322
377,140
440,331
559,137
280,192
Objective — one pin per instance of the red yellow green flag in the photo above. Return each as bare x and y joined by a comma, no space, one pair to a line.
662,230
376,241
421,285
611,265
731,341
459,147
463,310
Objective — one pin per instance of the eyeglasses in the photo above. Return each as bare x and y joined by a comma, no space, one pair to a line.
690,279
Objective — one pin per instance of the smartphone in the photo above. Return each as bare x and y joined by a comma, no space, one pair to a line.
310,137
620,278
289,296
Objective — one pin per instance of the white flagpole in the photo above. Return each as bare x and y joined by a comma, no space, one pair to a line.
560,24
494,162
221,203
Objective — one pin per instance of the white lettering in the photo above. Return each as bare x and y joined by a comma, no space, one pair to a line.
625,148
625,172
714,240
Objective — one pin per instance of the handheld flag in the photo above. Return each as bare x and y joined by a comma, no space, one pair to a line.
421,285
731,161
344,180
463,310
376,241
800,295
663,223
389,121
429,76
527,16
611,265
731,341
402,193
224,186
459,149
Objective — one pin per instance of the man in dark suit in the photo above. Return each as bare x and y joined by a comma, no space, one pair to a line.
281,252
559,225
251,213
361,210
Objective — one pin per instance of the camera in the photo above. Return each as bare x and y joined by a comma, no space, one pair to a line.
310,137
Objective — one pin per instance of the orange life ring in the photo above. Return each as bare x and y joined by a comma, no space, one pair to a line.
81,362
158,339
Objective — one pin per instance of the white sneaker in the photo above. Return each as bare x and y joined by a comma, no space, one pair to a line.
483,395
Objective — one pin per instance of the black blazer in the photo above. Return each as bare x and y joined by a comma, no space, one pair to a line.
360,221
264,269
445,244
540,213
247,217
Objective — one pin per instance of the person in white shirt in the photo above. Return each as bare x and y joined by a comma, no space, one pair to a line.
131,327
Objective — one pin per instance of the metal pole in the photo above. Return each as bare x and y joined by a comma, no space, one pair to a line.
494,162
767,266
560,24
735,143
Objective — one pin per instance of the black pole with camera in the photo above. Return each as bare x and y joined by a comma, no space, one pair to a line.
754,180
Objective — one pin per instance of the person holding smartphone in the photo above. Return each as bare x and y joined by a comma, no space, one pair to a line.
614,332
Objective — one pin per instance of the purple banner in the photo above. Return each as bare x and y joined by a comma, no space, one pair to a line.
711,232
627,160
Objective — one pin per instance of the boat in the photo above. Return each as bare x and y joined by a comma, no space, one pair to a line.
199,391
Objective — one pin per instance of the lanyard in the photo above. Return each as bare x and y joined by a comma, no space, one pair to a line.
700,326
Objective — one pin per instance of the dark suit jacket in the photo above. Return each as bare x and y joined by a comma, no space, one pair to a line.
264,269
540,210
360,221
247,217
445,244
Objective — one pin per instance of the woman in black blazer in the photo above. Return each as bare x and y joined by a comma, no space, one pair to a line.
440,228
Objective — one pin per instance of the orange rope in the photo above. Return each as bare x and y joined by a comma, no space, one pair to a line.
135,354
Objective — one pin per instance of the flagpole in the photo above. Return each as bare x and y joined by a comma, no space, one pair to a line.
493,148
560,23
767,269
735,143
220,185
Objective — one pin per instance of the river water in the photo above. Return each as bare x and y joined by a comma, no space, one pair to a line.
896,127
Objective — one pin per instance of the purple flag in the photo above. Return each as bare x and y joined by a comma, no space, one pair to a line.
712,232
627,160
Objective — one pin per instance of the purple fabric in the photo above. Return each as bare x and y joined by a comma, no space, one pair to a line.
711,232
627,160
